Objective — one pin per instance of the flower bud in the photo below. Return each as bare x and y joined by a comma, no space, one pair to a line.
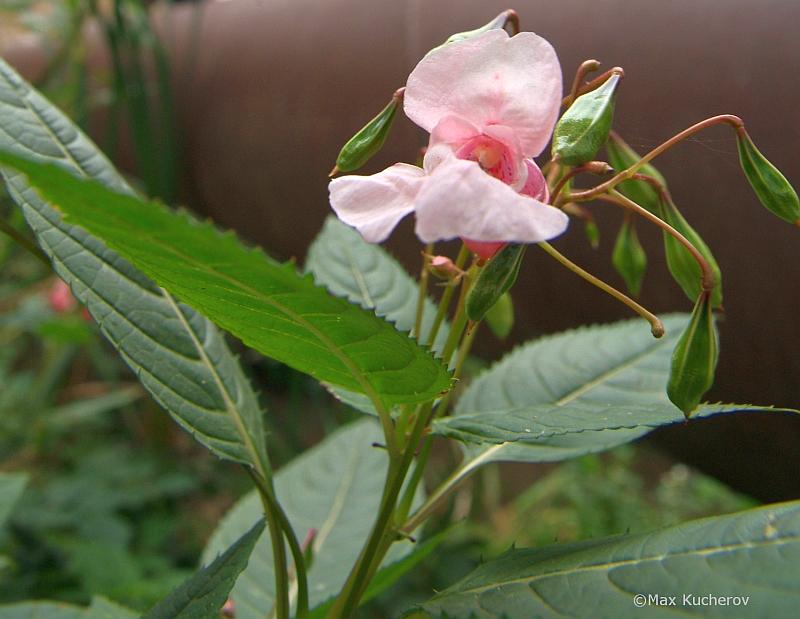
369,140
629,257
584,127
694,359
500,316
682,265
60,298
443,267
621,156
495,279
771,187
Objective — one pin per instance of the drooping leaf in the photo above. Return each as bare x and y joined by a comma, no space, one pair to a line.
364,273
41,610
11,487
369,140
682,265
333,488
269,306
621,156
494,280
694,360
539,424
629,257
584,127
771,187
752,556
204,594
103,608
178,355
573,393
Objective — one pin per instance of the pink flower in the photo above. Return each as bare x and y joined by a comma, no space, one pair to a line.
490,104
60,298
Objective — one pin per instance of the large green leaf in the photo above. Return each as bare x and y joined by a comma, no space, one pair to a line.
103,608
364,273
11,487
178,355
203,595
268,305
754,555
41,610
334,489
577,392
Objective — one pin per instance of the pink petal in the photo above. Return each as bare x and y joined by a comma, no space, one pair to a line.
535,184
375,204
490,79
460,200
454,131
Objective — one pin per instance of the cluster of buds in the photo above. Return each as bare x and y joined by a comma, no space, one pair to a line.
491,101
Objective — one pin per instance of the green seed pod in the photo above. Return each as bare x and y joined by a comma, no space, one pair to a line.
694,359
584,127
496,24
369,140
629,257
684,268
621,156
500,316
771,187
495,279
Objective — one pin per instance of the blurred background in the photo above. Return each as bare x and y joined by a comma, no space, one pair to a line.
237,109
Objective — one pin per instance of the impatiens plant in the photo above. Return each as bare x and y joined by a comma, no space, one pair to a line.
346,519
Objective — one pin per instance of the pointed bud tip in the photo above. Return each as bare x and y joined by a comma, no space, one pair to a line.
334,171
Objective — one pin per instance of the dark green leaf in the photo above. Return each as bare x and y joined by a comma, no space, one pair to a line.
334,489
267,305
11,487
102,608
771,187
369,140
694,361
629,257
753,554
494,279
681,263
178,355
621,156
204,594
584,127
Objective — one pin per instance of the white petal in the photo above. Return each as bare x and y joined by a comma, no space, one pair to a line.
460,200
375,204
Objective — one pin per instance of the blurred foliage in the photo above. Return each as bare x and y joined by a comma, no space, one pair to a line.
120,501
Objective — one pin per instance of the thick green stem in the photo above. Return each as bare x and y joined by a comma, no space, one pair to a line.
447,297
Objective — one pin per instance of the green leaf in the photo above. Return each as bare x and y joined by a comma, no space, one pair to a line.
754,554
41,610
584,127
388,575
682,265
500,316
333,488
538,424
103,608
771,187
496,24
621,156
598,365
11,487
365,274
178,355
494,280
694,360
369,139
204,594
269,306
629,257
